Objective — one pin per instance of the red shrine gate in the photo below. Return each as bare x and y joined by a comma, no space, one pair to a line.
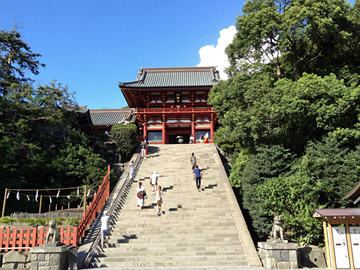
172,102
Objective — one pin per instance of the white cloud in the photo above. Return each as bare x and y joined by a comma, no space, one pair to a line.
211,55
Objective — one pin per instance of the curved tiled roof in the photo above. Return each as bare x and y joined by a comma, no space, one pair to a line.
106,117
174,77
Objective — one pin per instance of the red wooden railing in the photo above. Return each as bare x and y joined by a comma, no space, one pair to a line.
23,238
172,110
102,195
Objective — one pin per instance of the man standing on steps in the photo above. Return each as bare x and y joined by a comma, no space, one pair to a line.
154,180
193,161
131,170
105,231
198,175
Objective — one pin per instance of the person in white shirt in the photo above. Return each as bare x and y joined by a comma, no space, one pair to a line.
141,195
105,230
191,139
131,170
154,180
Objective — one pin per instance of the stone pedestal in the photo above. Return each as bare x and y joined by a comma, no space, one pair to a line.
278,255
53,257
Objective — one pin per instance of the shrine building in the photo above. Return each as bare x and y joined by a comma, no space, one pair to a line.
172,102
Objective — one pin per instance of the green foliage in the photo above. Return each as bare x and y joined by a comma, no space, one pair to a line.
266,163
254,111
318,179
238,168
42,221
239,102
293,37
291,108
294,198
76,164
125,139
16,57
37,146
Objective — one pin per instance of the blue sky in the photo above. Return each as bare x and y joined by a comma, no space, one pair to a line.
92,45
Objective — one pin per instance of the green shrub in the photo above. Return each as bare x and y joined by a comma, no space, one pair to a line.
125,139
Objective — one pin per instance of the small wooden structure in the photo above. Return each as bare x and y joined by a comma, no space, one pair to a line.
339,237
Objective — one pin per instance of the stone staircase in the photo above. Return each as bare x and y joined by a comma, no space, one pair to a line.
196,229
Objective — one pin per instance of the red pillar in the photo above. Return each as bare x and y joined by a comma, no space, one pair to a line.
163,133
145,130
193,128
212,132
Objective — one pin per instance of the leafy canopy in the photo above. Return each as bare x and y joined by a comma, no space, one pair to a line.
289,112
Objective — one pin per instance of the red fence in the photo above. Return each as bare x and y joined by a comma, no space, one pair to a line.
18,238
100,198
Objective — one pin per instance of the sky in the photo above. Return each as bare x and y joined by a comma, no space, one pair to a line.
91,46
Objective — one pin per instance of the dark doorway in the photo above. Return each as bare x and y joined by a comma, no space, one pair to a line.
174,140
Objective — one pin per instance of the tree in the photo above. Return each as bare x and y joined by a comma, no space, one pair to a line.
16,57
291,109
319,179
292,36
37,145
125,139
266,163
253,111
75,164
239,103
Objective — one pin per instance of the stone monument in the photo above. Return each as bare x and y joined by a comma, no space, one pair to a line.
53,235
53,254
277,253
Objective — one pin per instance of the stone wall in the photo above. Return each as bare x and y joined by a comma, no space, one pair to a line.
279,255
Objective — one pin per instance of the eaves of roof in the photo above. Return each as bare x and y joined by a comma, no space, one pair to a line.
354,193
174,77
337,212
109,117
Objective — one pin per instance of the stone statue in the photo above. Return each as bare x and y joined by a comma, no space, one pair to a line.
277,231
53,234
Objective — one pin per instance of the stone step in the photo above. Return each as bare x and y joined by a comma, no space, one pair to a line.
165,257
196,229
183,243
173,225
203,239
170,234
161,250
141,263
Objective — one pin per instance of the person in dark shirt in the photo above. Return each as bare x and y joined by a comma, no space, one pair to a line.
193,161
197,175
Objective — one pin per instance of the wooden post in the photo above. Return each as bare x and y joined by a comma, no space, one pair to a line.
328,263
85,198
40,204
3,209
347,231
332,246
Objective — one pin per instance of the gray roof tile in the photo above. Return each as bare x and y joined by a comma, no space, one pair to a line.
105,117
174,77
